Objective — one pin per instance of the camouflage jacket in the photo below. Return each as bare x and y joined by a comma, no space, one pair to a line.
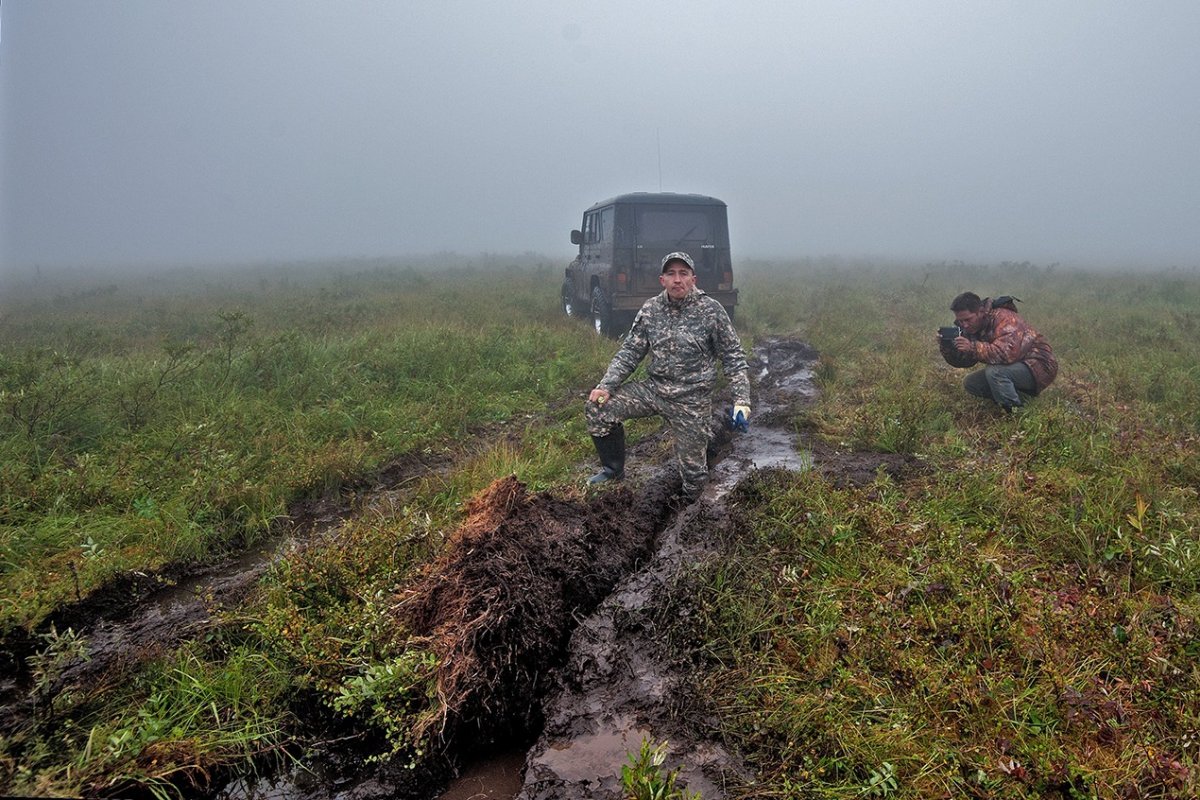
683,340
1005,338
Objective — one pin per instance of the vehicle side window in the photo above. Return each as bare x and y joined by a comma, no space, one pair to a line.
591,228
606,224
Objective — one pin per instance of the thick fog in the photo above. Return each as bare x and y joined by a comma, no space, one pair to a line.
150,132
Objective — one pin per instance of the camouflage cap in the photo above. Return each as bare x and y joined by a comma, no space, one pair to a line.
678,256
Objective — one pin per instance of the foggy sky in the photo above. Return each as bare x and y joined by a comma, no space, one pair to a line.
147,131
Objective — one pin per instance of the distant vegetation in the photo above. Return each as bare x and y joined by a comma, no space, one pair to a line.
171,418
1022,619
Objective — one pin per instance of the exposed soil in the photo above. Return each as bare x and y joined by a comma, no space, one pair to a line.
544,610
620,687
501,603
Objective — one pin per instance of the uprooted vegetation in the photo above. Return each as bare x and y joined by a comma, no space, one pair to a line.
951,603
500,604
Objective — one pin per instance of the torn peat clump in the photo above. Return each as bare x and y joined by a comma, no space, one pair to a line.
500,604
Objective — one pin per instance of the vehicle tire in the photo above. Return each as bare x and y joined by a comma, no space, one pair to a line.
602,319
568,300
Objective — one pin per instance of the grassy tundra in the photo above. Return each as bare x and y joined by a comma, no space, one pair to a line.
1019,620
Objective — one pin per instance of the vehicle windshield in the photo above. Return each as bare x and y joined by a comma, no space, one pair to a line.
657,225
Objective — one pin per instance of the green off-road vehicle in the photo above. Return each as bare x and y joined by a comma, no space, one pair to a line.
621,245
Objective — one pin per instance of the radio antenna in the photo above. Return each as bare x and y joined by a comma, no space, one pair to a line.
658,146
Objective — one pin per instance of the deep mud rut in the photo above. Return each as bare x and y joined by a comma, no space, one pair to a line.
619,686
543,610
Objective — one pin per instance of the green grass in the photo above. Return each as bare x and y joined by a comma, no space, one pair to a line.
643,777
142,431
1018,620
203,705
168,420
1021,620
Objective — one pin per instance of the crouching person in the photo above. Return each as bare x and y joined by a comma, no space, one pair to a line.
1018,361
683,333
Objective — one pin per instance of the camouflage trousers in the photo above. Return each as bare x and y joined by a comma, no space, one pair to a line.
690,424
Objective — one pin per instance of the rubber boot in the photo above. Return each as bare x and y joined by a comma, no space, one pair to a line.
611,449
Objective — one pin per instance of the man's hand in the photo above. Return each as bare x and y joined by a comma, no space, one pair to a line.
964,345
599,396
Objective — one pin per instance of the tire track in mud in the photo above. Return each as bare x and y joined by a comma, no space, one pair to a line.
618,689
619,686
534,642
587,687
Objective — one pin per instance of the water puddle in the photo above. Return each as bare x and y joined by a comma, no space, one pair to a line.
785,378
589,757
761,448
493,778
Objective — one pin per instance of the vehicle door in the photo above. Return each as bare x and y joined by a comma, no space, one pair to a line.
596,252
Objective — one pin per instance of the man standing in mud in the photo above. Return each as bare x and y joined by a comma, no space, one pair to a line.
685,333
1019,361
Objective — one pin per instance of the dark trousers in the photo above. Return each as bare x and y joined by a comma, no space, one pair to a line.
1002,383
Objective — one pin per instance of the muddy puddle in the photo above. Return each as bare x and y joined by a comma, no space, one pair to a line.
543,613
495,778
620,690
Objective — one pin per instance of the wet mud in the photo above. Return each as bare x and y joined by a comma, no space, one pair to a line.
545,611
500,605
621,687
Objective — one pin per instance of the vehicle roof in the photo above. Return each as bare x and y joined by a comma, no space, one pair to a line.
664,198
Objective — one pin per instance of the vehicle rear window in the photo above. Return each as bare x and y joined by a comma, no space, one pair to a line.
672,226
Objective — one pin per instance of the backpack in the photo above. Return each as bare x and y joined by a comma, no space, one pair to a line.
1006,301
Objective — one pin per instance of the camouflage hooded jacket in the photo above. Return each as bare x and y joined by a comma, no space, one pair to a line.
683,340
1005,338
